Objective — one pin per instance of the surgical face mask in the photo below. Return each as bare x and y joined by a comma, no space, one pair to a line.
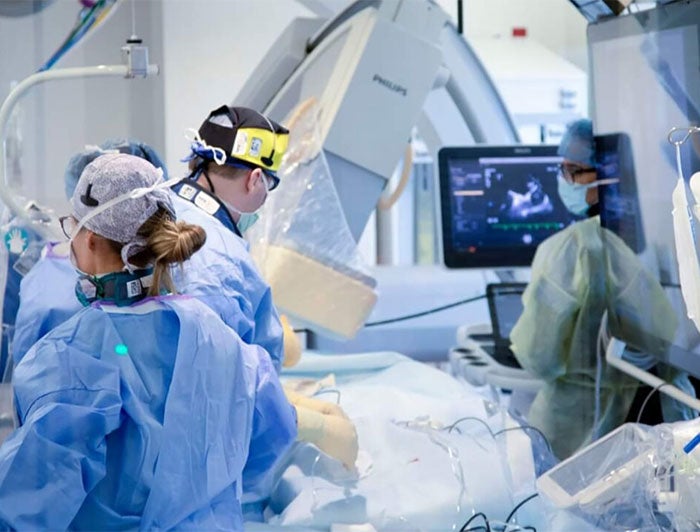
69,225
246,220
74,259
573,195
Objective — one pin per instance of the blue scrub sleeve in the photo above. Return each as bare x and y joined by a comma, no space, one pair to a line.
274,425
70,437
46,300
65,422
234,311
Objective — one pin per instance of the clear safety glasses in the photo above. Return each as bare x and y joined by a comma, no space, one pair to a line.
68,225
572,173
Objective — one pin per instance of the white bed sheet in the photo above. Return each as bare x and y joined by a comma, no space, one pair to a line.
413,474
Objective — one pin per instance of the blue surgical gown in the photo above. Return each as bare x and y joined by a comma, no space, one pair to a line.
224,276
229,284
139,417
47,299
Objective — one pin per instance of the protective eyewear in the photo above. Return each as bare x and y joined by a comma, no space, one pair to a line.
68,225
570,172
272,181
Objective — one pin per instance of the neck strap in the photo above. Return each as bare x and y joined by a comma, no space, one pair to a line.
121,288
188,189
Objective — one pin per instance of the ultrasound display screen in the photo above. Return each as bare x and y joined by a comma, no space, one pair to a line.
498,203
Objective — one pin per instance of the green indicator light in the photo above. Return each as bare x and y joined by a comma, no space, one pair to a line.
121,350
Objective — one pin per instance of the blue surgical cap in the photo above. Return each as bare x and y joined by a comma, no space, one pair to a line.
79,161
577,143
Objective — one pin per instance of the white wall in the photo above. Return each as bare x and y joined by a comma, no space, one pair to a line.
58,118
554,23
211,48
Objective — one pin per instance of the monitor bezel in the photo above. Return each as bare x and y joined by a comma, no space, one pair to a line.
493,291
496,257
620,144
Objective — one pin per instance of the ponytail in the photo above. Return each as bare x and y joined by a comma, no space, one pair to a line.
167,242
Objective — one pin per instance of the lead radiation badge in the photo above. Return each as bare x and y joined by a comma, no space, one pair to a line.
16,240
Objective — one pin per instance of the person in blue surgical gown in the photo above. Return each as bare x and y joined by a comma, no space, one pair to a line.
233,163
46,297
138,411
226,280
577,275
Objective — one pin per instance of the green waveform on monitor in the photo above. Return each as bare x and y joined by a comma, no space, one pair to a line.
531,226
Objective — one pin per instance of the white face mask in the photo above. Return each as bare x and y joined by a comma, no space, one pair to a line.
573,195
73,258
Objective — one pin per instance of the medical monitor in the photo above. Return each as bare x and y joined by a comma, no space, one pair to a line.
505,307
498,203
619,203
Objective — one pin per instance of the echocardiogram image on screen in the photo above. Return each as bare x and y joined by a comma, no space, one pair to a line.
498,204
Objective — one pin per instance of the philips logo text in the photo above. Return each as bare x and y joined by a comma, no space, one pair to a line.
395,87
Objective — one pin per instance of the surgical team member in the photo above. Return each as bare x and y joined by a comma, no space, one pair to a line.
48,299
577,275
234,160
138,411
233,163
47,291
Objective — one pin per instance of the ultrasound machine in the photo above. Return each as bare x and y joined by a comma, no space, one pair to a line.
498,203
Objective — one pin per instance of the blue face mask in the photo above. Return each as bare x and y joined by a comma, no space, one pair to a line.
573,196
247,219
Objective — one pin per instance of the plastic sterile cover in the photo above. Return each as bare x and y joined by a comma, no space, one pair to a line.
302,243
635,478
21,246
433,453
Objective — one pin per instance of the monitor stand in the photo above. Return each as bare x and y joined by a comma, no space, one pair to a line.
506,276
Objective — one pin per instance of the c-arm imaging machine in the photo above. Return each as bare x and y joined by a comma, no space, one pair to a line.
378,70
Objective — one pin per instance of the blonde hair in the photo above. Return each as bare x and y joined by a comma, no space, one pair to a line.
167,242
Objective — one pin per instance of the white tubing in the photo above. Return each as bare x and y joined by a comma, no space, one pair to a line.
614,358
